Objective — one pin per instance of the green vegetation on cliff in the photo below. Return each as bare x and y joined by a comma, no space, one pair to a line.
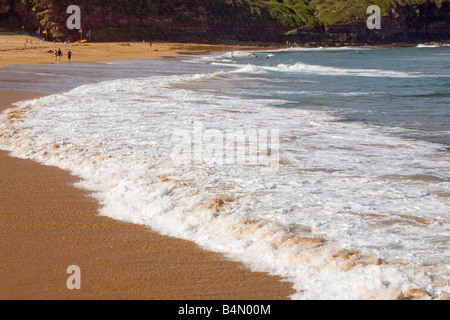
240,20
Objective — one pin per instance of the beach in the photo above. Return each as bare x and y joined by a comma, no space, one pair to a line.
327,168
48,224
26,50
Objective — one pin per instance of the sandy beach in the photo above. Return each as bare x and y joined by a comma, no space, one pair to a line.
19,50
48,224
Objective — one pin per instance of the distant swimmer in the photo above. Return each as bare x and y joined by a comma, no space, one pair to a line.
255,56
231,54
267,56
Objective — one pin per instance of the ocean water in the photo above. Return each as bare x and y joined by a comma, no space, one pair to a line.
327,166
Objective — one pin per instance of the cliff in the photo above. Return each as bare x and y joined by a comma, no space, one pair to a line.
234,21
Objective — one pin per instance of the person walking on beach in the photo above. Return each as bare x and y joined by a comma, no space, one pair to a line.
59,54
69,55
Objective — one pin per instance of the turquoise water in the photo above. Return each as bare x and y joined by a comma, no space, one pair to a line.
401,87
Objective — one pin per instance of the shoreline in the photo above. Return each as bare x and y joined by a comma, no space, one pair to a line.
49,225
27,50
79,228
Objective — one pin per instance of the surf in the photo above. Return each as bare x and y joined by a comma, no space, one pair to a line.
354,210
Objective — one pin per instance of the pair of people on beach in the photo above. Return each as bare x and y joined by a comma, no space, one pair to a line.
58,55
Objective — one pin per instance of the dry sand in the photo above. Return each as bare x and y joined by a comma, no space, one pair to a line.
47,225
15,50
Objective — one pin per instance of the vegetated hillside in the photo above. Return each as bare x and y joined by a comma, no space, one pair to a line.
232,21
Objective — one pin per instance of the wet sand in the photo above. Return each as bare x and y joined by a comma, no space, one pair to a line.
47,225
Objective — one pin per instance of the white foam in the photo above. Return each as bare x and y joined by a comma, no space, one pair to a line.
303,68
250,68
324,70
351,184
345,48
429,45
